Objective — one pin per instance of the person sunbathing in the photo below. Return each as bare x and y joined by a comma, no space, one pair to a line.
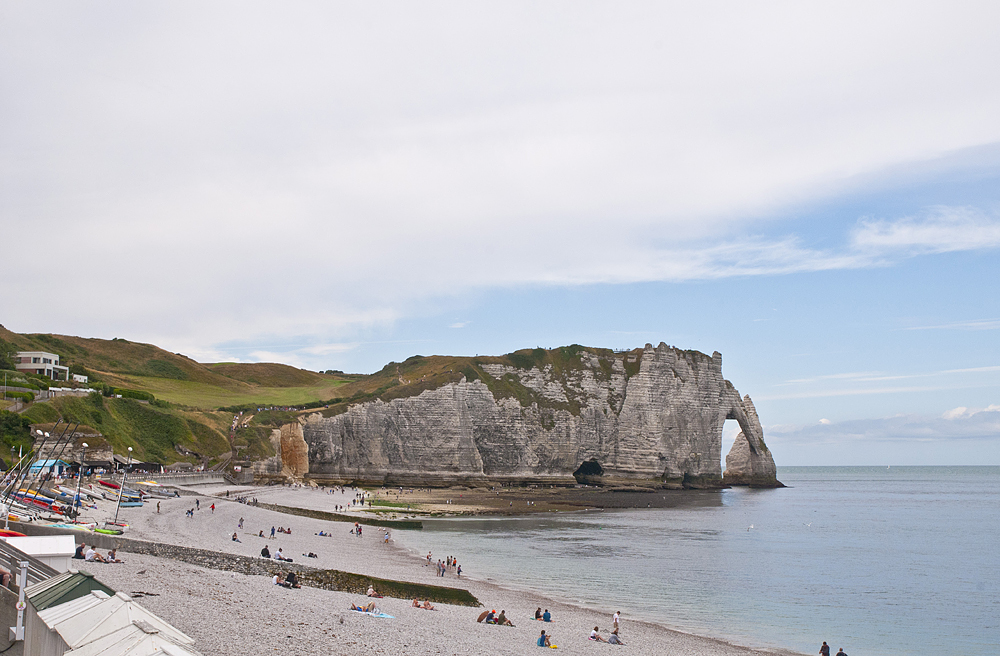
427,605
372,593
415,604
594,635
502,619
113,556
370,608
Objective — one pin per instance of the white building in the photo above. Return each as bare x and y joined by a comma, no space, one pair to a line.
42,363
56,551
80,378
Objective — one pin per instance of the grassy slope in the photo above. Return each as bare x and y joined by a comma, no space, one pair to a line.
419,373
202,388
177,378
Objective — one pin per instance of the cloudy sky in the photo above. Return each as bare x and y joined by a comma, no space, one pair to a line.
811,189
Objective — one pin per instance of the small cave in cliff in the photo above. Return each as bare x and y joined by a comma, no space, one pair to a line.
588,472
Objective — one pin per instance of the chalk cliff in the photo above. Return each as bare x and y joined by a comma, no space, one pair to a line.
647,417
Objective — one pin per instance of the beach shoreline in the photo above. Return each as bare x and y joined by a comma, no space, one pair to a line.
450,629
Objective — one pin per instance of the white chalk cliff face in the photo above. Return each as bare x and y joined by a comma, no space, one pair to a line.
651,418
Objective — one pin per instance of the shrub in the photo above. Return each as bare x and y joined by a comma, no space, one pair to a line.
138,395
28,397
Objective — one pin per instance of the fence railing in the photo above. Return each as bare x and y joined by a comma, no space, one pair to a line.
37,570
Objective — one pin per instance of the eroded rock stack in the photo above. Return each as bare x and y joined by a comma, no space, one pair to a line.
650,418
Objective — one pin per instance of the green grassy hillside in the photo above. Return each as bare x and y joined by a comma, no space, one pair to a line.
174,377
187,413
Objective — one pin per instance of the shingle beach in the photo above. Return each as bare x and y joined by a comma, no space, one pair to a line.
232,614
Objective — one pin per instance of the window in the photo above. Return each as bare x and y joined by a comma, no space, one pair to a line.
46,360
35,360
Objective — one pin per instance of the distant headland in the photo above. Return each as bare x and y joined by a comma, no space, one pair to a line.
648,418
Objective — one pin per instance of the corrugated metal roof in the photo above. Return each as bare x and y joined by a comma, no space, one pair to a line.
139,639
80,621
64,588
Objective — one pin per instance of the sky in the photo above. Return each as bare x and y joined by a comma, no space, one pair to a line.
811,189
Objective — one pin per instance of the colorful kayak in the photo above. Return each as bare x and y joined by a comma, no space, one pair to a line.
109,531
10,534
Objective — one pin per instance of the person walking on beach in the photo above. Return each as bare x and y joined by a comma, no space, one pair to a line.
824,650
240,526
272,532
157,507
197,504
615,618
213,508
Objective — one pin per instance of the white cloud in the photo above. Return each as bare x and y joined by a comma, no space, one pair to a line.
867,383
975,324
943,230
241,174
955,413
459,324
825,422
958,424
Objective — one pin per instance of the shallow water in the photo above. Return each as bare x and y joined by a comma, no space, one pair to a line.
900,560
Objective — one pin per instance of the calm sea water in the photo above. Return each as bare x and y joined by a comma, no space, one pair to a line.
895,561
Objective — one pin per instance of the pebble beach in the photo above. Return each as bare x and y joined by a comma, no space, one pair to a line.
236,614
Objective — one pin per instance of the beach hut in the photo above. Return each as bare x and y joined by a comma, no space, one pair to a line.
56,551
63,588
49,466
99,623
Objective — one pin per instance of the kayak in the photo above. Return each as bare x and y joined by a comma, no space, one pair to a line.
132,504
113,486
10,534
109,531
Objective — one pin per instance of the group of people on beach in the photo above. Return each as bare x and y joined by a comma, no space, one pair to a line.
545,639
90,555
825,650
449,564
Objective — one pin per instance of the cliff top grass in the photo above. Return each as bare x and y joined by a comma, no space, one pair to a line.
175,377
192,403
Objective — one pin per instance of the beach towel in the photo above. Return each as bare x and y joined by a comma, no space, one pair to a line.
383,615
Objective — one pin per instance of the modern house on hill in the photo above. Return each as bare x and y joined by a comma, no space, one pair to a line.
42,363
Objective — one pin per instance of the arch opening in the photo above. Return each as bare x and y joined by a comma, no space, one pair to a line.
588,472
730,429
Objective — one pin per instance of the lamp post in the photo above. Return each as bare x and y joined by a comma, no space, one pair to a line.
121,490
79,481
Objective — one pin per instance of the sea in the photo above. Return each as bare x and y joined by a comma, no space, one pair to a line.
877,560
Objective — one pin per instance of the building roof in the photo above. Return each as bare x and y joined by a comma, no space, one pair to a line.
97,615
139,639
43,545
48,462
64,588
